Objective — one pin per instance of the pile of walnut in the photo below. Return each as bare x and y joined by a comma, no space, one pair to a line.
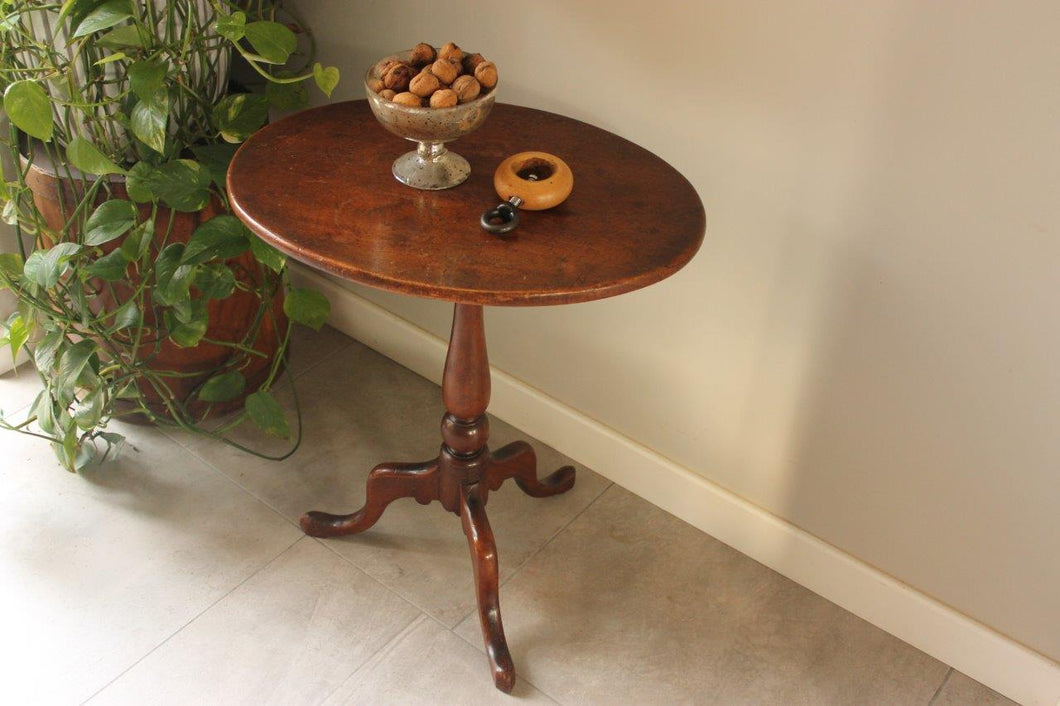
438,79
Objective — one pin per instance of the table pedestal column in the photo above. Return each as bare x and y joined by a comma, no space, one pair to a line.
460,478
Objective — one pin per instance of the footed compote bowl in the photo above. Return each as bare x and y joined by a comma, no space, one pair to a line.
431,165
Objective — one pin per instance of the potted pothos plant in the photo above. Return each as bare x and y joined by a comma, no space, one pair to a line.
139,294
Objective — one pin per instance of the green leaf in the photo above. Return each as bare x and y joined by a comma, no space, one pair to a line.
117,56
111,267
172,279
231,27
187,333
127,315
106,15
326,77
237,116
149,120
45,267
9,215
266,412
138,241
271,40
44,410
72,364
28,107
89,410
10,22
183,184
223,387
221,237
44,353
72,454
216,159
85,157
266,254
109,221
287,96
76,9
10,269
125,36
215,281
16,333
146,78
307,306
138,182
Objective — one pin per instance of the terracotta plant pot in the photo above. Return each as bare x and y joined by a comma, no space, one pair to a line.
231,319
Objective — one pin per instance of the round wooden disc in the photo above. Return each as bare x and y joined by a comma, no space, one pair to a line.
540,179
317,185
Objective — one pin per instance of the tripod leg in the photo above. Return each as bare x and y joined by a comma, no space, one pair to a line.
517,460
386,483
484,561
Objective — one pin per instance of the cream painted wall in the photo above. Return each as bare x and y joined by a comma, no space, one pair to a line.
866,345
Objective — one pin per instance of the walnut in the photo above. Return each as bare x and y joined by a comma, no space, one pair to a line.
384,65
486,74
471,62
424,84
439,78
467,88
445,70
451,51
397,77
445,98
422,53
409,99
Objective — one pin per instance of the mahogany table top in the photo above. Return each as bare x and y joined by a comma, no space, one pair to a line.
317,185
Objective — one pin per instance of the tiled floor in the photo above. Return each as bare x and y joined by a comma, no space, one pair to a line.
177,574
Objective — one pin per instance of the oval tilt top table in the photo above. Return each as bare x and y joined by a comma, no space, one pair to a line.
318,186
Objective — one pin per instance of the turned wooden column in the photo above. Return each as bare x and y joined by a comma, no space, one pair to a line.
464,457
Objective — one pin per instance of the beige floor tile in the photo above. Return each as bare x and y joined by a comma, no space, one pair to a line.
290,635
631,605
98,569
18,388
309,347
429,665
359,409
962,690
798,648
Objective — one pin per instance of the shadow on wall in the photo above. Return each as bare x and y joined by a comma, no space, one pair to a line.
923,437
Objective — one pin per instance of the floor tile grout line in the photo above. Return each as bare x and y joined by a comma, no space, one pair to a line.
424,615
423,612
945,680
555,534
520,567
327,356
360,568
401,634
410,602
295,524
518,678
198,615
209,464
544,544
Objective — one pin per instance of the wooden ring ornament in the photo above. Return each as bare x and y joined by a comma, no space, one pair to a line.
532,180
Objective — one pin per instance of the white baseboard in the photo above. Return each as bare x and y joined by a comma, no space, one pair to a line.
951,637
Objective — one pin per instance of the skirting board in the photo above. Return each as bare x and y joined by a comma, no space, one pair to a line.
951,637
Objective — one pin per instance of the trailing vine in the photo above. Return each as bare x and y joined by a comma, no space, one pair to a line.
127,105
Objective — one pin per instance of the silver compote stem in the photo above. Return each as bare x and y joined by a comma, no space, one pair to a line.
431,166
